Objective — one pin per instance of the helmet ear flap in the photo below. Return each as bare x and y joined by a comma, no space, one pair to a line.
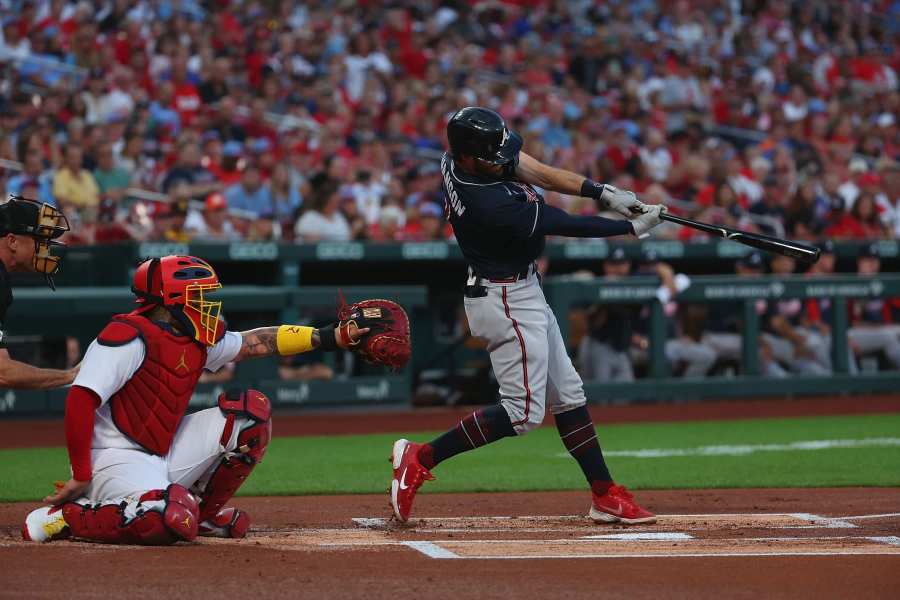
146,294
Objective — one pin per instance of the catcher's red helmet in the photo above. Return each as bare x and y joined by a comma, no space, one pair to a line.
181,285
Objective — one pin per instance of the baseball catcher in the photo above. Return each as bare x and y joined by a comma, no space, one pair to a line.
142,471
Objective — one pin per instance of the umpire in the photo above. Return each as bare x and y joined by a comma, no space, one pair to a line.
28,232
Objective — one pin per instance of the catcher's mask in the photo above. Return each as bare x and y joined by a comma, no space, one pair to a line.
42,223
182,285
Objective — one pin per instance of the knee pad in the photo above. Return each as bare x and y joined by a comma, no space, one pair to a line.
253,439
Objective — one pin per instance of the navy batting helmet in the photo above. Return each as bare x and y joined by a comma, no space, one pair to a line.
482,133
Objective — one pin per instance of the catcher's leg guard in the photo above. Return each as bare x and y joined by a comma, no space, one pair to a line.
237,464
157,518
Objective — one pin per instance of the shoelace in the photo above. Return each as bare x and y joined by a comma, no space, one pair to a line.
420,476
623,491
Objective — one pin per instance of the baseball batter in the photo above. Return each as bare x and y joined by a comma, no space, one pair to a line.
500,221
142,471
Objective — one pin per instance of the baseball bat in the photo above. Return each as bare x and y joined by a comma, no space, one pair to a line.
768,243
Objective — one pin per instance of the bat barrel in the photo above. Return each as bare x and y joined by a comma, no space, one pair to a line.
803,252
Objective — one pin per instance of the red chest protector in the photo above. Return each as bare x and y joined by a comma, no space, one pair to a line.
150,405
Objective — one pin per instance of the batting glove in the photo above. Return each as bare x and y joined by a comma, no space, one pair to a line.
646,221
622,201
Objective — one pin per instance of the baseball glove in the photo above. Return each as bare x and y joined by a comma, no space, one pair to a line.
388,342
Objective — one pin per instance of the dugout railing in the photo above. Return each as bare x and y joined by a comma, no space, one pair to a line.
81,312
270,263
567,292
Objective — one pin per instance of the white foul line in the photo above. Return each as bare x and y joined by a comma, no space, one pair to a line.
867,552
744,449
881,516
893,540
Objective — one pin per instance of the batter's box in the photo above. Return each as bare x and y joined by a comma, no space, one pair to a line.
576,524
653,548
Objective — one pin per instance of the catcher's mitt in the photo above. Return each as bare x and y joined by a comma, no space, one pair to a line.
388,342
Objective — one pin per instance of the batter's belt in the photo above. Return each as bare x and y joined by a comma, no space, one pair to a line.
475,284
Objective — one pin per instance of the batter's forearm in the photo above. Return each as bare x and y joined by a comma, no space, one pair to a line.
21,376
263,341
532,171
555,221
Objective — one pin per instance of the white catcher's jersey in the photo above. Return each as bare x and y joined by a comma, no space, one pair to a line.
105,369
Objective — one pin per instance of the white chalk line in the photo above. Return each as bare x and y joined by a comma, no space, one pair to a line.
643,541
865,552
881,516
435,550
745,449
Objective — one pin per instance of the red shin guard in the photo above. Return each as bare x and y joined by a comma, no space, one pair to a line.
109,523
251,447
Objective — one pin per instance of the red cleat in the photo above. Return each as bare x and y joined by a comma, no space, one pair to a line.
227,523
617,505
409,475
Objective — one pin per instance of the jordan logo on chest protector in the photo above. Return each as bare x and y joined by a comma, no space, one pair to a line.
182,362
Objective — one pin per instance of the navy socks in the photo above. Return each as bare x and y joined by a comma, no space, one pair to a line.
473,431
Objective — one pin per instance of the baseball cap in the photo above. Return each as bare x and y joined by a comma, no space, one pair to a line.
754,260
215,202
650,257
869,251
827,247
618,255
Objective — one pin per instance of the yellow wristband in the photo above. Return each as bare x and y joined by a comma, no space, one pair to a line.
294,339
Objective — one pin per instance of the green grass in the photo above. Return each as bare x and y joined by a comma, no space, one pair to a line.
358,464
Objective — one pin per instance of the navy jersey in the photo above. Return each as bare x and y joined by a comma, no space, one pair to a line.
495,222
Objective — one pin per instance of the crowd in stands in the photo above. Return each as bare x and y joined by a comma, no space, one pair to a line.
309,121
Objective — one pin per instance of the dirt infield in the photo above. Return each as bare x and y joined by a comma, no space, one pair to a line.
20,433
785,543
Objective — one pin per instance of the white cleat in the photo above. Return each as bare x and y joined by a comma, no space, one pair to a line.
45,524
